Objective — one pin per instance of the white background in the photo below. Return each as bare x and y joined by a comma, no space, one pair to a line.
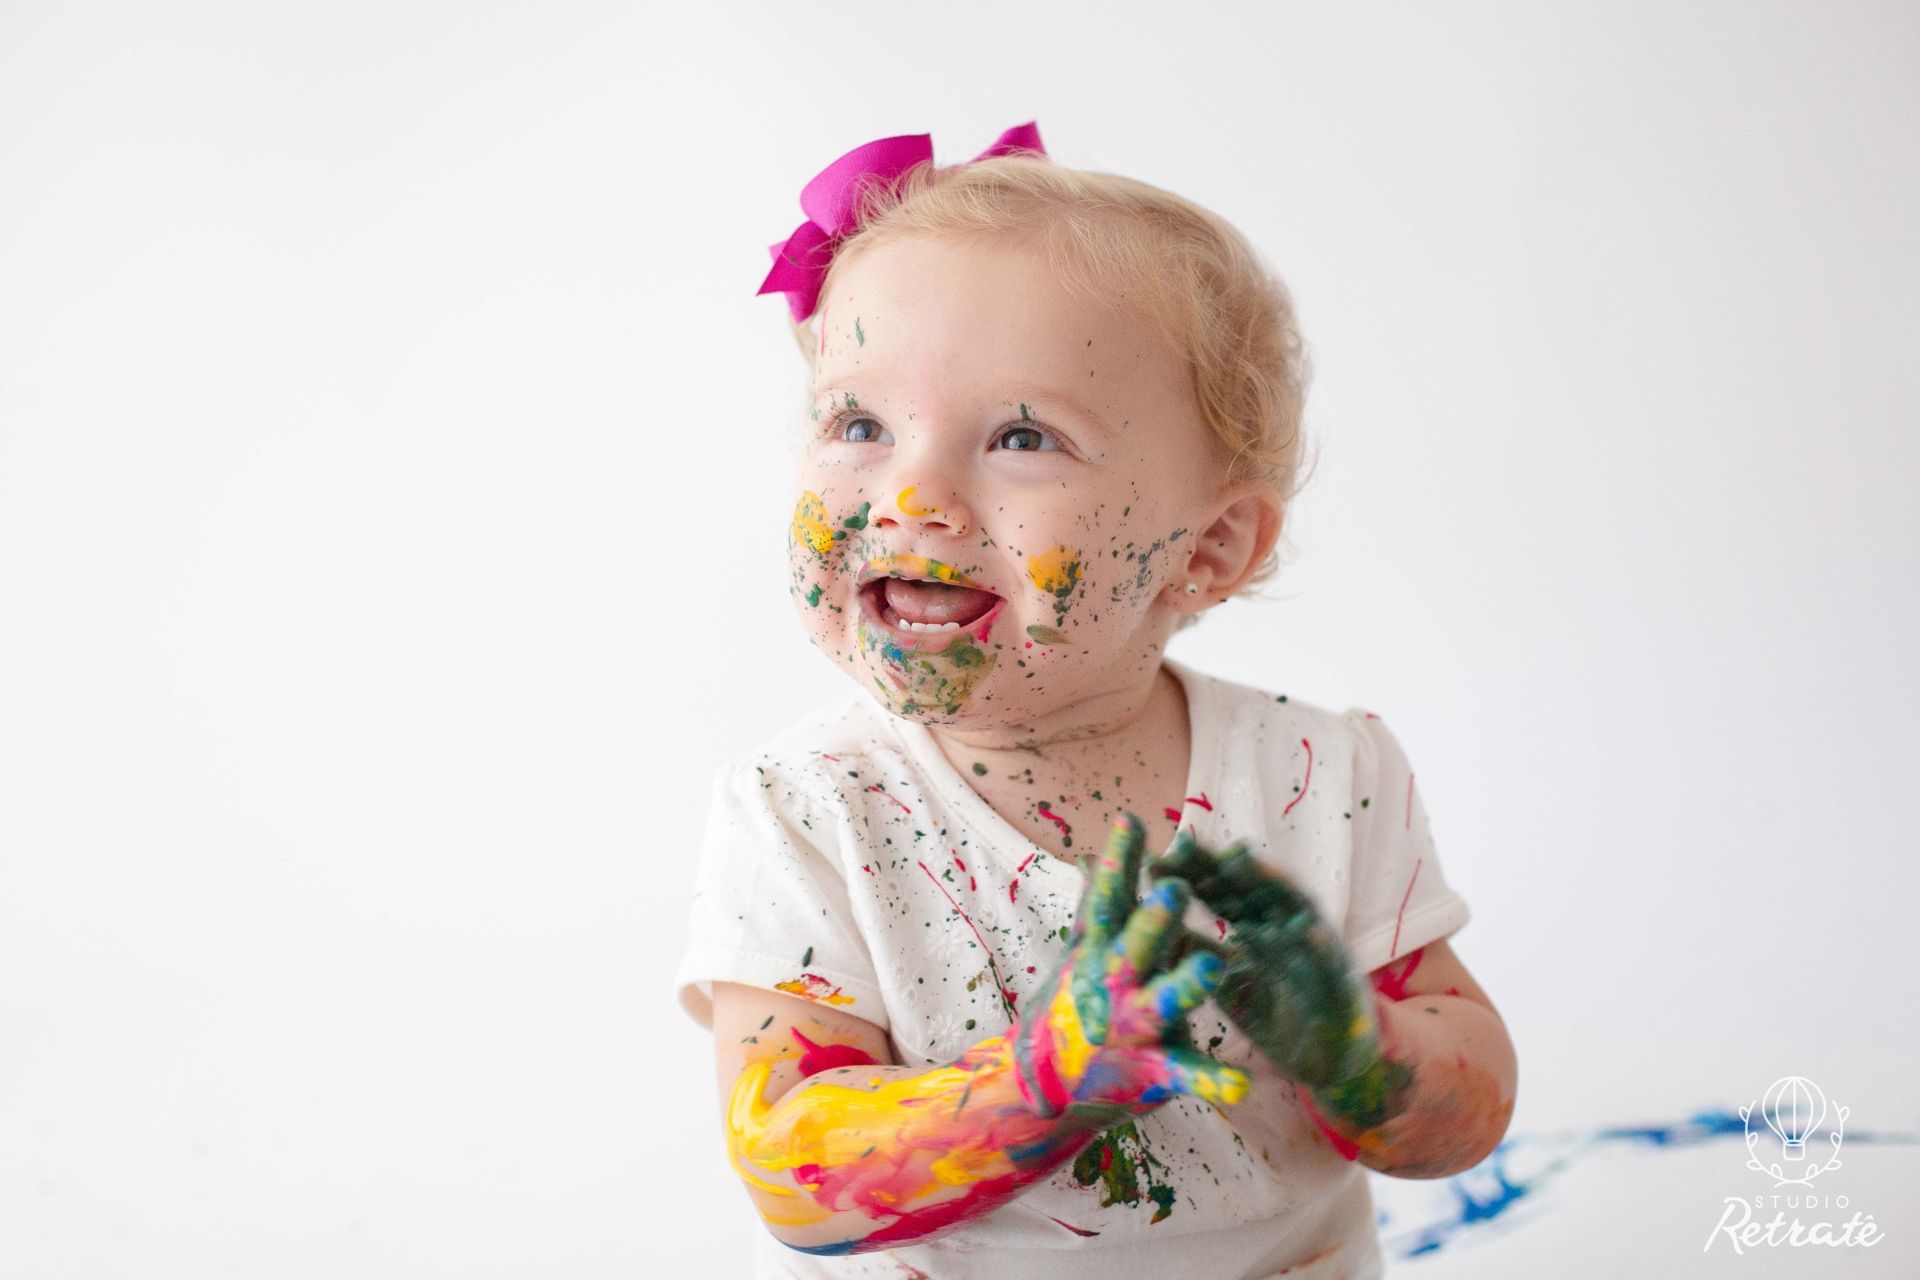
391,525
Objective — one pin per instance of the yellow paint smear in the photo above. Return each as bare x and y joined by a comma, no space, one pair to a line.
904,502
810,527
1054,571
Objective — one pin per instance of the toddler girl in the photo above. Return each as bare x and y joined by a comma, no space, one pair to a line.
962,1026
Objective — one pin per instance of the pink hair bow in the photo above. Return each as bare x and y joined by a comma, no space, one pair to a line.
800,261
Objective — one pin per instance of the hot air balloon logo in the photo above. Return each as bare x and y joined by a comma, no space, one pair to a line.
1794,1108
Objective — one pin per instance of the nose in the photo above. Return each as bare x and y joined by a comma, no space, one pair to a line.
926,505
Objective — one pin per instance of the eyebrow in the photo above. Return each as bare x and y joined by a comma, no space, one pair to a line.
1033,391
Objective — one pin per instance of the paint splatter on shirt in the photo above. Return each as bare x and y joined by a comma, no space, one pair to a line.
850,838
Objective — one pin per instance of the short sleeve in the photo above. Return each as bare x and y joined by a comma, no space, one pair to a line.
770,905
1400,901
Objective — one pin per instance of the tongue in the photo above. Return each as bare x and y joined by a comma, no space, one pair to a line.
936,601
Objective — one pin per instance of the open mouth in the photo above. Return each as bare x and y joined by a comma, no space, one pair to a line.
921,600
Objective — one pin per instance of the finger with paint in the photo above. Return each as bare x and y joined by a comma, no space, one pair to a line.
1288,983
1104,1033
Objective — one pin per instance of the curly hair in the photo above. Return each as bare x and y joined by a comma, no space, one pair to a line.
1122,242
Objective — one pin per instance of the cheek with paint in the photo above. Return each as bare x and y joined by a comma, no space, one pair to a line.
1055,573
825,546
1106,586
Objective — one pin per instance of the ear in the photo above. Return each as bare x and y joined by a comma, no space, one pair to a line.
1244,528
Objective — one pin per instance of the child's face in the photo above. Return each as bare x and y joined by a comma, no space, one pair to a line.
945,445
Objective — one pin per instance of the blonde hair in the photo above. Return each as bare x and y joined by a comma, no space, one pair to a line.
1121,241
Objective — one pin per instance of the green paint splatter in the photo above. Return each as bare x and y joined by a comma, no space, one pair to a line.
807,959
858,520
979,770
1046,635
1024,415
858,332
813,596
1117,1160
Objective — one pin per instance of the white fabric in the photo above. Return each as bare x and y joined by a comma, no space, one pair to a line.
834,861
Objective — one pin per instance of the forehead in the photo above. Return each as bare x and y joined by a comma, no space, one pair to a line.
917,310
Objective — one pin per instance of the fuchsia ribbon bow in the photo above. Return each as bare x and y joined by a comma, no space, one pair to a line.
800,261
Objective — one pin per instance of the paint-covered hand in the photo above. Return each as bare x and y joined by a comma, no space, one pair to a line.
1289,984
1104,1036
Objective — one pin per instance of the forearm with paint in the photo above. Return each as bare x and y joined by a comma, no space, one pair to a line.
870,1157
865,1157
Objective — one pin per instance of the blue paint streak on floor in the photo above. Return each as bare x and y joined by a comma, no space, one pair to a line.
1484,1197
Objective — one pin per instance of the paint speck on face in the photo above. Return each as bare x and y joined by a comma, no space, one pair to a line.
858,520
810,527
813,596
979,770
908,506
918,684
858,332
1055,571
1046,635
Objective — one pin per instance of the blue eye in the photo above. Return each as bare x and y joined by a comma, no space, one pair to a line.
845,428
1043,441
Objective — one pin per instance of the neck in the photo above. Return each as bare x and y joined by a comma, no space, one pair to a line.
1114,710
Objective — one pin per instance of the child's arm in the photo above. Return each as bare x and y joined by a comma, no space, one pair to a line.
856,1157
1415,1079
1435,1019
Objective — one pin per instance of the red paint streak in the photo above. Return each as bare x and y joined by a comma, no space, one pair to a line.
1023,863
816,1058
825,756
1303,782
1173,815
913,1225
1106,1157
1079,1231
992,968
1202,801
955,855
864,867
1012,886
1395,944
1221,925
877,788
1453,991
1409,823
1394,985
1348,1149
1054,818
1372,716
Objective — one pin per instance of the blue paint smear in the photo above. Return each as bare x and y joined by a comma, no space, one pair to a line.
1485,1197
